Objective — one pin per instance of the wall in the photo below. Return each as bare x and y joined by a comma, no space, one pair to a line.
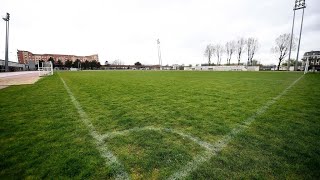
222,68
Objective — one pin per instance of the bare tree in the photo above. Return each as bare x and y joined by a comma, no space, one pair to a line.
230,49
240,46
252,48
209,52
117,62
282,47
218,51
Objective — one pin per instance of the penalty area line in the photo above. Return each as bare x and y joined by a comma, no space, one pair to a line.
109,157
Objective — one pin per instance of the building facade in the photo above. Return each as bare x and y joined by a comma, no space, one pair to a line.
222,68
314,60
25,56
130,67
313,56
13,66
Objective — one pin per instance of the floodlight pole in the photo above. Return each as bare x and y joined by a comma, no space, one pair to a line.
294,16
296,63
159,54
7,18
299,4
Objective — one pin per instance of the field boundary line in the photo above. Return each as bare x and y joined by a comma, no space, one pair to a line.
225,140
109,157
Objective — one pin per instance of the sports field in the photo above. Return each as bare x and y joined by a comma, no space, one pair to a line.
162,125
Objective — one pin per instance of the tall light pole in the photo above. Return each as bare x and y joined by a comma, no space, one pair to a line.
294,16
159,54
299,4
7,18
303,6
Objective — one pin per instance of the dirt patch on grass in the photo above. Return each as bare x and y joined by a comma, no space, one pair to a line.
18,78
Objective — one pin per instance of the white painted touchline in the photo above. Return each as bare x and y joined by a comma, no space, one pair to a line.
224,141
101,146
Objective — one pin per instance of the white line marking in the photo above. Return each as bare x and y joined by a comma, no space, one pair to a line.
224,141
111,135
100,144
211,149
196,161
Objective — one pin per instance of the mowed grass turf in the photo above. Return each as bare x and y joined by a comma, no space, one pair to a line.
43,136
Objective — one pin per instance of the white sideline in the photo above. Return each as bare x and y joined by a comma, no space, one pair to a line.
224,141
100,145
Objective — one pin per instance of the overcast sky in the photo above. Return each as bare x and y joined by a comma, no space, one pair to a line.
128,29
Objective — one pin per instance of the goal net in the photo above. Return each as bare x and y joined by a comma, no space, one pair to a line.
45,68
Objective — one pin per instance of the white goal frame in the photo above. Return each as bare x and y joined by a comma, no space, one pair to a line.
306,67
46,68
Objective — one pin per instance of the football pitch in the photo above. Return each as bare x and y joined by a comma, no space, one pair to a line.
162,125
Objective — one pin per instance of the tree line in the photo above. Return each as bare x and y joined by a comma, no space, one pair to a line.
75,64
238,47
250,46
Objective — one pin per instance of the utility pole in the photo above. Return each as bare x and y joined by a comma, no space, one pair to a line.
159,54
7,18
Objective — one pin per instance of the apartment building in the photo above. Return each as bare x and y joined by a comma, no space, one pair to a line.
25,56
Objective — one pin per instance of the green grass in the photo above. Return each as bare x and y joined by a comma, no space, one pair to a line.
42,135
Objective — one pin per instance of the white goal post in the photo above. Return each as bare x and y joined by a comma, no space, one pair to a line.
45,68
306,67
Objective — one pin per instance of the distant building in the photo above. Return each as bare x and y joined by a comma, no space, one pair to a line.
314,60
130,67
25,56
221,68
313,56
13,66
268,68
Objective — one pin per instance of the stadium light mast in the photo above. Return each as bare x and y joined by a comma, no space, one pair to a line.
294,16
159,54
299,4
7,18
